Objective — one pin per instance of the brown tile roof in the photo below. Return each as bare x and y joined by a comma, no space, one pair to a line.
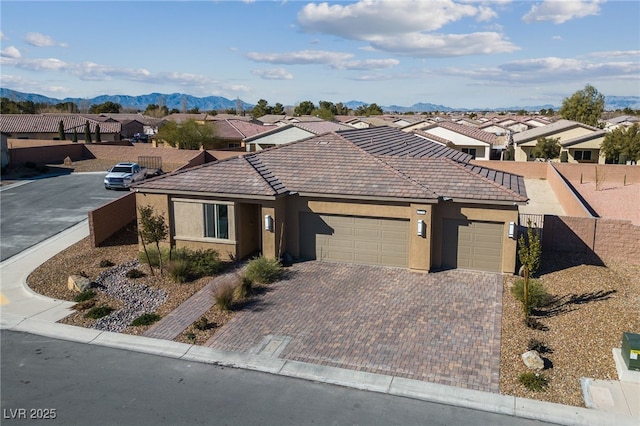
48,123
390,141
320,127
341,164
472,132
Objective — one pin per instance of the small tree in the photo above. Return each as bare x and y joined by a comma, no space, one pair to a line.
585,106
153,229
87,132
564,157
61,130
547,148
75,135
98,133
529,251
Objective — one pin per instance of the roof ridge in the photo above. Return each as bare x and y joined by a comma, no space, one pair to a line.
265,173
390,167
492,182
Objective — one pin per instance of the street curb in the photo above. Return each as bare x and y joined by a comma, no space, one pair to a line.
397,386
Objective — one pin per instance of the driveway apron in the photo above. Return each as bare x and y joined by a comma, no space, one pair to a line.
440,327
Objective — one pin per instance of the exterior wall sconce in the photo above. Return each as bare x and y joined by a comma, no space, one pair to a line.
422,228
268,223
512,230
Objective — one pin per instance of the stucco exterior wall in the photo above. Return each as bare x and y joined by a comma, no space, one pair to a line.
160,205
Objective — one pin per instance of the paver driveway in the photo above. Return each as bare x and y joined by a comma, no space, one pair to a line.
440,327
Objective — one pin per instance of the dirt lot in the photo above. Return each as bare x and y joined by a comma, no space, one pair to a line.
613,200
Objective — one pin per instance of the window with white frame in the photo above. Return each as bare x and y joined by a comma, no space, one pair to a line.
216,221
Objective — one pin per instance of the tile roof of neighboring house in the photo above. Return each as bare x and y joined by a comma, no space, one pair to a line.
549,129
320,127
472,132
139,117
584,138
432,137
271,118
49,123
623,119
390,141
340,164
182,117
236,129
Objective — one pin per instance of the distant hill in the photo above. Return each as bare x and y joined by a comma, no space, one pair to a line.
173,100
177,101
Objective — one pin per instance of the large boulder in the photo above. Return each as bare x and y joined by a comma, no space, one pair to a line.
78,283
533,360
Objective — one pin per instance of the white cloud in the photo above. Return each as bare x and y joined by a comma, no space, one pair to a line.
48,64
2,36
382,17
10,52
41,40
407,30
633,54
274,74
561,11
549,70
366,64
302,57
445,45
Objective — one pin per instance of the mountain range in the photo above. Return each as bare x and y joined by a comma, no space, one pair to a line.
182,101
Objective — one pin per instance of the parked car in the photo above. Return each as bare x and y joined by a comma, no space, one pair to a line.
140,137
123,175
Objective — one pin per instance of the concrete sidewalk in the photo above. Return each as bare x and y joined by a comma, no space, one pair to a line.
23,310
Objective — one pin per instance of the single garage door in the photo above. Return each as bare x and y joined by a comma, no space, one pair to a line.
354,239
472,245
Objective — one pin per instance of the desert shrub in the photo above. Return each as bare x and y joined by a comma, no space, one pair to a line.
205,262
154,258
202,323
134,273
191,336
224,297
145,319
263,270
180,270
244,287
82,306
534,324
534,381
84,296
538,296
564,156
99,312
106,263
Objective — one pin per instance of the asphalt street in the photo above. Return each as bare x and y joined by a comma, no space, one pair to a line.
35,210
74,383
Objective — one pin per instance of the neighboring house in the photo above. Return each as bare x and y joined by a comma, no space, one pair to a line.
5,149
373,196
621,121
135,123
290,133
585,148
231,133
563,130
467,139
46,126
199,118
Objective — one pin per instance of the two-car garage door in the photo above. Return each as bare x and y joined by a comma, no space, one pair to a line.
355,239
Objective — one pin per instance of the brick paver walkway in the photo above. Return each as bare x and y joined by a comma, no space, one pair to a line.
183,316
440,327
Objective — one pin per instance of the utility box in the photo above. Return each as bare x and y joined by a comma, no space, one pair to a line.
631,350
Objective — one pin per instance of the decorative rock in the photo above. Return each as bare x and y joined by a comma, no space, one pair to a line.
532,360
78,283
67,161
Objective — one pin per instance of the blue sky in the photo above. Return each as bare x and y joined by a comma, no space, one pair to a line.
467,53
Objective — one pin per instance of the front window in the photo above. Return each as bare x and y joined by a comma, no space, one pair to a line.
582,155
216,221
470,151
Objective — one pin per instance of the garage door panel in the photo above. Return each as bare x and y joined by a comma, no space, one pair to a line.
355,239
472,245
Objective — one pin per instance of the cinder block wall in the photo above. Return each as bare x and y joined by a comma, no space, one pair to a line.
610,239
45,154
111,217
607,172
